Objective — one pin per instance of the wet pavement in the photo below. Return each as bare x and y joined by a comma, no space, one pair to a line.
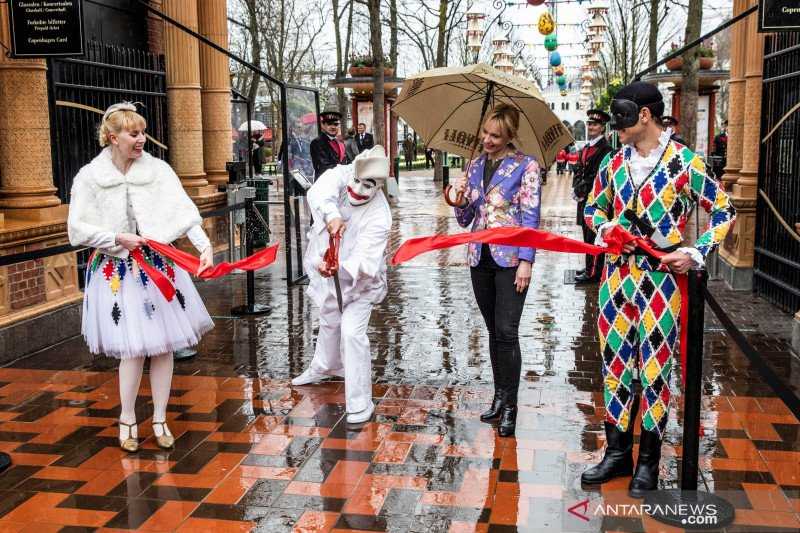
254,453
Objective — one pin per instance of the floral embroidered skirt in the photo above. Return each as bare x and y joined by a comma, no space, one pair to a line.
126,316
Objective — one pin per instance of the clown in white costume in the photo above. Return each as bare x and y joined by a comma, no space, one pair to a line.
348,201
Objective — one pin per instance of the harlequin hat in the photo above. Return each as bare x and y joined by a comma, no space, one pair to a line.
372,164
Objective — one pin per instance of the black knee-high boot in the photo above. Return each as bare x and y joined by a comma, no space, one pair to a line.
499,396
645,478
618,458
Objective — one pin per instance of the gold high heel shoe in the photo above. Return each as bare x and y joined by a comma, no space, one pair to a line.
131,444
164,441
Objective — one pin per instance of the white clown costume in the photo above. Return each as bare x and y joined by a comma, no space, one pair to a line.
352,193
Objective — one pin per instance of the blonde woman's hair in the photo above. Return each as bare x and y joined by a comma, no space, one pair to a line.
118,117
507,116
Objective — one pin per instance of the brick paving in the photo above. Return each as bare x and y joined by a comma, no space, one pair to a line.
254,453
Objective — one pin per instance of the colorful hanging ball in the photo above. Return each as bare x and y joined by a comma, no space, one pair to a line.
550,42
555,59
559,70
535,2
546,23
561,81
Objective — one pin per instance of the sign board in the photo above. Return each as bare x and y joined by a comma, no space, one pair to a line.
778,15
46,28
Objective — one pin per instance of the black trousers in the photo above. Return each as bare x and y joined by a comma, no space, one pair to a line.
594,263
501,307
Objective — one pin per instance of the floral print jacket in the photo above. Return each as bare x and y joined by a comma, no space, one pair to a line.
511,199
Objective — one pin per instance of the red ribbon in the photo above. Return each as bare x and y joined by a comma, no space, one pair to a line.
331,256
261,259
616,238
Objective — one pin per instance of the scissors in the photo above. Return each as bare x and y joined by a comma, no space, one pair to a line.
331,259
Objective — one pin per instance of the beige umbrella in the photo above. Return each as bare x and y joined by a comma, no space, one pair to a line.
446,106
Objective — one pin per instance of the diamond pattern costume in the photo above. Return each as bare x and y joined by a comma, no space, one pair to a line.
639,299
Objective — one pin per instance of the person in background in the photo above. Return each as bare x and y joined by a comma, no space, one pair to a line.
257,150
429,162
668,122
720,151
591,155
409,151
327,151
365,140
501,189
351,146
572,159
561,162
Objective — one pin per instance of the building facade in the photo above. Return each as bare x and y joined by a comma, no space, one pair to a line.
49,112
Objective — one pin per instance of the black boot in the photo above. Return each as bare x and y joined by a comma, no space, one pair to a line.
493,411
645,478
508,421
618,458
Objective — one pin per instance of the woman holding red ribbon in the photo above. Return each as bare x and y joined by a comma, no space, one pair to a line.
122,197
501,189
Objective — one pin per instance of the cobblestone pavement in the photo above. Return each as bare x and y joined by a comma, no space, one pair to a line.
255,453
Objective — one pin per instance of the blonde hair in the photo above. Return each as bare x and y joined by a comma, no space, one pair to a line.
116,120
507,117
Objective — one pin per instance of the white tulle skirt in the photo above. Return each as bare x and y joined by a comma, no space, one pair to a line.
126,316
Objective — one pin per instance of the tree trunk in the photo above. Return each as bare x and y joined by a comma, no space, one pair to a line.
688,111
440,62
255,50
393,33
337,32
378,122
653,37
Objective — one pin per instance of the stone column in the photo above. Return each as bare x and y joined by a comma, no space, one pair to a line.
155,29
737,250
26,169
736,91
183,97
216,91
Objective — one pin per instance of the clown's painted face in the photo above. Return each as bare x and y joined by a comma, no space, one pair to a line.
361,190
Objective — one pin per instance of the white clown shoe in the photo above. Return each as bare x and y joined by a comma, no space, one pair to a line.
308,377
361,416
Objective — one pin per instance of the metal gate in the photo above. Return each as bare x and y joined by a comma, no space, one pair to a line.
777,253
81,89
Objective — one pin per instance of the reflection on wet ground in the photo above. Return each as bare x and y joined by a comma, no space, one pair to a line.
255,453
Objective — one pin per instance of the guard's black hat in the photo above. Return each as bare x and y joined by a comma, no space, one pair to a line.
598,115
330,115
669,120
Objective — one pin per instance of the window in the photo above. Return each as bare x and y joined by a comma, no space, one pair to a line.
579,130
567,103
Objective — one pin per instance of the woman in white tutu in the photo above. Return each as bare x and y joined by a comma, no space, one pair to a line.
121,197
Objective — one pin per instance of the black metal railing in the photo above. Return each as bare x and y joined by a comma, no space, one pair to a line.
81,89
777,255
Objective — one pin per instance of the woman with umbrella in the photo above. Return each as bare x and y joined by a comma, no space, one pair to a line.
455,110
501,188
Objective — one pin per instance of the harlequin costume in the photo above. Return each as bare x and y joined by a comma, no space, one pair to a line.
639,300
124,314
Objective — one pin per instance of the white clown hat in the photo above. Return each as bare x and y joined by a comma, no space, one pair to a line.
372,163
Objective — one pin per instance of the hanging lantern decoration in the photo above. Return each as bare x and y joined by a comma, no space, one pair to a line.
535,2
555,59
559,70
546,23
551,42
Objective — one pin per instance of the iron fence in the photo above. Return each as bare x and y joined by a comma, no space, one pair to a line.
777,255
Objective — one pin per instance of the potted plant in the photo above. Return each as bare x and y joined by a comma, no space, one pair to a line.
676,63
361,66
706,57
